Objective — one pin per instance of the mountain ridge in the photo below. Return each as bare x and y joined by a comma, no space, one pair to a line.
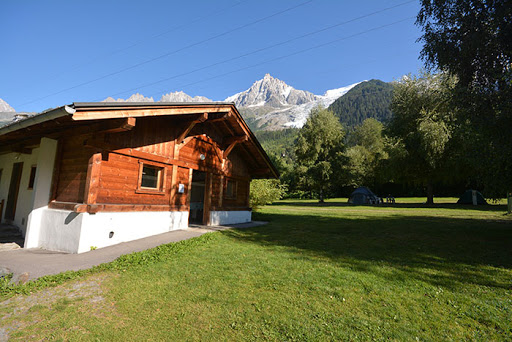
268,104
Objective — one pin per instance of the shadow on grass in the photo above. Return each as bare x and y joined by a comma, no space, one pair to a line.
440,251
487,207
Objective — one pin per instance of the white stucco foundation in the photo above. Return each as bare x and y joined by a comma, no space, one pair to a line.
67,231
229,217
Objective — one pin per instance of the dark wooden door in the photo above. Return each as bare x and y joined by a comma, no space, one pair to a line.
14,187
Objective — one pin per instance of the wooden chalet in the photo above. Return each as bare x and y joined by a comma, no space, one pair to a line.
96,174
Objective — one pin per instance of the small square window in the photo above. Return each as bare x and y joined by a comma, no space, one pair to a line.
32,178
230,189
151,178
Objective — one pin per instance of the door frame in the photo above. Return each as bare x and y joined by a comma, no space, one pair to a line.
14,190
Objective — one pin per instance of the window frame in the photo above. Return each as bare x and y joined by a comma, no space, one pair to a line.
234,187
32,177
161,180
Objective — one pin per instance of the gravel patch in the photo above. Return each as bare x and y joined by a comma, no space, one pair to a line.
13,310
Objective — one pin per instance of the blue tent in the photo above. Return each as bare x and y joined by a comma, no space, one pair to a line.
472,197
362,195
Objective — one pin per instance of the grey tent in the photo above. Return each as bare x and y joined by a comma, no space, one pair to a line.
362,195
472,197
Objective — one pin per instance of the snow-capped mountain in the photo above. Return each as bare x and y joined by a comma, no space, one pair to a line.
272,92
134,98
4,107
179,96
272,104
269,104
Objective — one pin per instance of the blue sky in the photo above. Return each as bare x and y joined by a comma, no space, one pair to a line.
59,52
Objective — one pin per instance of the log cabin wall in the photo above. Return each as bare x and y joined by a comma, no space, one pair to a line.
119,170
72,161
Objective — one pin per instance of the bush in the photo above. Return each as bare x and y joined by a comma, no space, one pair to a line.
266,191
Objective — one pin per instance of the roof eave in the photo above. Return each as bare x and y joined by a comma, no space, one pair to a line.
37,119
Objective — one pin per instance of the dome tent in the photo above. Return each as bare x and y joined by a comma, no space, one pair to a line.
362,195
467,198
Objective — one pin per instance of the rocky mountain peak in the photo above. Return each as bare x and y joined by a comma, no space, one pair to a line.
4,107
134,98
273,92
179,96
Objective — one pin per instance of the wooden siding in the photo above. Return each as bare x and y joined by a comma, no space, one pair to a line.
119,177
154,138
73,162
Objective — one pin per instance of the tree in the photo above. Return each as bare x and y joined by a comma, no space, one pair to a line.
365,154
423,122
318,150
473,41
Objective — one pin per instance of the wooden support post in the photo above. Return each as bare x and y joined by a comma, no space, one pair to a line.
221,189
207,198
174,176
93,179
189,187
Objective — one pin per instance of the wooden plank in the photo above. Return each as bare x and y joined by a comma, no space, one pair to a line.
106,113
63,205
92,179
79,207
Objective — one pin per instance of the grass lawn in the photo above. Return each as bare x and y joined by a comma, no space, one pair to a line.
315,272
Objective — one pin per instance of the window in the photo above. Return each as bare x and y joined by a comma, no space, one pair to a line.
151,178
32,178
230,189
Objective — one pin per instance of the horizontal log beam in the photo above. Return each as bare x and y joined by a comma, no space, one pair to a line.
224,116
112,207
111,113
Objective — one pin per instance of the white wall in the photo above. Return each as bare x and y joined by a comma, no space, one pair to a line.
127,226
41,194
24,203
66,231
229,217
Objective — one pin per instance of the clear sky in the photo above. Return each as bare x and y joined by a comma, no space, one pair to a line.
58,52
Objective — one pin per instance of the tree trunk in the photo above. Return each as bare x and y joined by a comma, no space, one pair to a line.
430,193
321,199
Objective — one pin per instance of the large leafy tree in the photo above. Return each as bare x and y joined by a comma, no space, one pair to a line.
318,150
473,40
423,123
366,152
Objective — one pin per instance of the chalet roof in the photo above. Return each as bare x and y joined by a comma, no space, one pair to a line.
50,123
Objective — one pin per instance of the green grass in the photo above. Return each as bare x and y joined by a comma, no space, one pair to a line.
316,272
